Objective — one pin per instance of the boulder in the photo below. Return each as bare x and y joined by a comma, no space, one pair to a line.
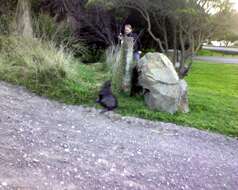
163,89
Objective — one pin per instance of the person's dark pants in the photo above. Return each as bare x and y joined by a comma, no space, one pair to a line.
136,56
135,87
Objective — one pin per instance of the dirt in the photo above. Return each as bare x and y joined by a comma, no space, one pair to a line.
46,145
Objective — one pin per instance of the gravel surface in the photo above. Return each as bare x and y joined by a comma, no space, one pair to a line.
50,146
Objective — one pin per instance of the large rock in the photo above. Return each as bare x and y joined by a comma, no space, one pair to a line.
164,91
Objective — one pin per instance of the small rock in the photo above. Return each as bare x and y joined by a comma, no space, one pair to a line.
4,184
66,150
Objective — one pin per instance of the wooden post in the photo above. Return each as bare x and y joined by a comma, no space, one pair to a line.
122,66
128,44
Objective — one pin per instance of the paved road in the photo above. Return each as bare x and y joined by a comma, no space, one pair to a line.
213,59
49,146
221,49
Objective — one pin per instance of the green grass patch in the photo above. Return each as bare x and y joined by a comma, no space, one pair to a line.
50,72
204,52
213,95
47,70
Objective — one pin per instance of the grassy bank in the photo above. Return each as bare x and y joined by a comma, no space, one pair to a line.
47,70
213,94
216,54
50,72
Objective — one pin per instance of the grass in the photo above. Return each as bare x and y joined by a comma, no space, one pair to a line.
47,71
213,94
216,53
213,88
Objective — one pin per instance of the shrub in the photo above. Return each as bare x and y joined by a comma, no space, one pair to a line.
47,29
32,61
93,55
47,70
5,21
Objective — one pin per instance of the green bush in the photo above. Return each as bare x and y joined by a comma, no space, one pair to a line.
93,55
47,70
5,21
31,61
47,29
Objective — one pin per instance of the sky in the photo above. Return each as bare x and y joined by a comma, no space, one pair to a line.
235,4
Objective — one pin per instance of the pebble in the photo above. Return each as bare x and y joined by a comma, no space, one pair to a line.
4,183
66,150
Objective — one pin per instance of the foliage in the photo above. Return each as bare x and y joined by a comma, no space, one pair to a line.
45,28
8,7
213,89
47,70
92,55
215,53
7,15
31,60
117,69
5,27
176,24
227,31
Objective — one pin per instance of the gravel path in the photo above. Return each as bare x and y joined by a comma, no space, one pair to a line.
49,146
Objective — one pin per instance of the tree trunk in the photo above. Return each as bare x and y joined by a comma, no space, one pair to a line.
175,56
23,18
164,28
182,44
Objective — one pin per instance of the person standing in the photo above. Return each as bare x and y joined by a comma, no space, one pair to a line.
128,31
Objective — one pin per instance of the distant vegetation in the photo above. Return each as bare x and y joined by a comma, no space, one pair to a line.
215,53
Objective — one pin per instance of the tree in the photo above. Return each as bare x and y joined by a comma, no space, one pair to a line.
176,24
172,24
228,31
23,18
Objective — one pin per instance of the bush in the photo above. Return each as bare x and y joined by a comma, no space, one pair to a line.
48,71
5,21
93,55
47,29
32,61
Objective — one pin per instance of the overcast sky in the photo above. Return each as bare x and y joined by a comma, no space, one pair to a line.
235,4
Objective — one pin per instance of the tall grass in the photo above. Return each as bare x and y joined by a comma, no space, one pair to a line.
31,60
47,70
46,29
35,64
115,65
5,24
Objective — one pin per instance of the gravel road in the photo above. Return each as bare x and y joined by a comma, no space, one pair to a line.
50,146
